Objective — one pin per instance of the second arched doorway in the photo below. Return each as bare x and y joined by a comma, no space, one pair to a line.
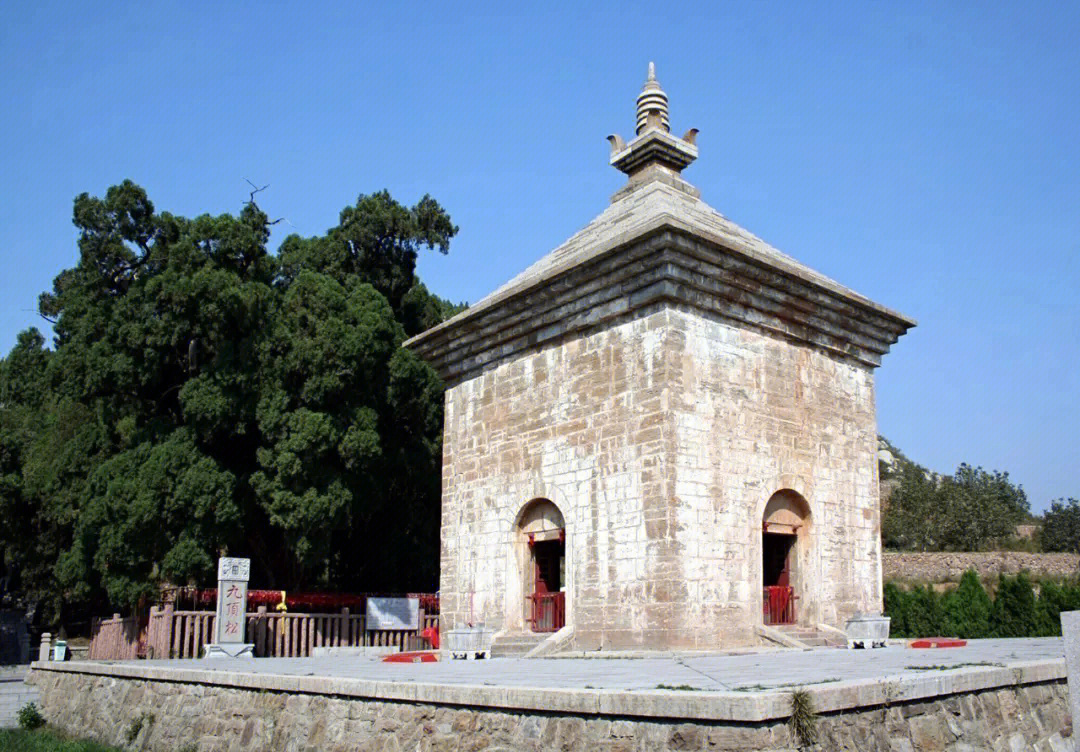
541,534
784,535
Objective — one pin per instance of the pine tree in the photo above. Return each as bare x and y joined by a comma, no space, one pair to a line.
1014,613
967,608
925,615
896,608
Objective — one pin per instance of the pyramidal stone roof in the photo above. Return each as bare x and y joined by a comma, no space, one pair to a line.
659,244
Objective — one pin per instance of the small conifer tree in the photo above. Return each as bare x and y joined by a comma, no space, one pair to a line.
1014,614
1048,609
925,615
896,608
967,608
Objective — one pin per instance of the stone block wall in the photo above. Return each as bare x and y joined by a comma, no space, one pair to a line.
205,718
582,424
660,439
948,566
756,414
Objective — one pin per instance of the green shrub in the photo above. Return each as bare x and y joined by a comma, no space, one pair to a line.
141,721
967,608
968,611
1061,526
1054,598
1014,613
925,617
29,717
896,608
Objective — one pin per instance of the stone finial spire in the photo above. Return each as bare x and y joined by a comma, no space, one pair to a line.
652,109
654,154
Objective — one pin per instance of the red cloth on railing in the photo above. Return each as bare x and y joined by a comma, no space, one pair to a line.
293,600
779,605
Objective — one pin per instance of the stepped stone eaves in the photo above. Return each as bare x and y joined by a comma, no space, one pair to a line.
657,243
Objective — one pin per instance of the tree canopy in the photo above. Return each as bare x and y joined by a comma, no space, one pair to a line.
204,396
965,511
1061,526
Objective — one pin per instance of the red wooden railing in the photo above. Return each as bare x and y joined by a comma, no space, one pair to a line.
548,612
114,639
184,634
778,605
205,598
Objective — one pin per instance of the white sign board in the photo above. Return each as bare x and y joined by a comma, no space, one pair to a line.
393,613
234,570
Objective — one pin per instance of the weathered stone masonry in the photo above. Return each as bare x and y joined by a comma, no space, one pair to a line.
626,431
949,566
237,718
660,379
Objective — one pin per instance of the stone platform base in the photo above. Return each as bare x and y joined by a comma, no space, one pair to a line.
974,708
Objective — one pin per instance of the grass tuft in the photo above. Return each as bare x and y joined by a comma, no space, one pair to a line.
46,740
141,721
679,687
944,667
803,720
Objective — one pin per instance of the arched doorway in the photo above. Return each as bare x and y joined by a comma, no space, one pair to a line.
541,535
784,533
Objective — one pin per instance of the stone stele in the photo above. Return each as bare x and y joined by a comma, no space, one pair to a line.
1070,631
655,421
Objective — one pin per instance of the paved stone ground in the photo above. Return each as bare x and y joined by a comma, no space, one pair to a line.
756,671
14,694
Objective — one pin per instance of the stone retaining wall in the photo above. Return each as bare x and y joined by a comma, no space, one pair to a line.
945,566
188,716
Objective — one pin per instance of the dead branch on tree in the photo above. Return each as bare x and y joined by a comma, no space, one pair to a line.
251,202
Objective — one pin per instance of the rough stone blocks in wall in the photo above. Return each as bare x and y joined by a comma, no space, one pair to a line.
1028,717
660,439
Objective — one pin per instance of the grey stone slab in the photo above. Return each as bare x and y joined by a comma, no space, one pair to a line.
744,687
1070,630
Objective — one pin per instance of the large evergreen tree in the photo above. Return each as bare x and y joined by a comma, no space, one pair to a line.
205,396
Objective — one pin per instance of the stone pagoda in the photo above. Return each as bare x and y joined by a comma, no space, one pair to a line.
662,434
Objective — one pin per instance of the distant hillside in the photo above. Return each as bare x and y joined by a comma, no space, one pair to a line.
891,466
970,510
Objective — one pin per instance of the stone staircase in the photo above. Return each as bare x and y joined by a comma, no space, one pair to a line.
810,636
516,644
800,635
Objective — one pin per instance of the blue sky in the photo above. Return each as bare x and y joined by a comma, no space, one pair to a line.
925,154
